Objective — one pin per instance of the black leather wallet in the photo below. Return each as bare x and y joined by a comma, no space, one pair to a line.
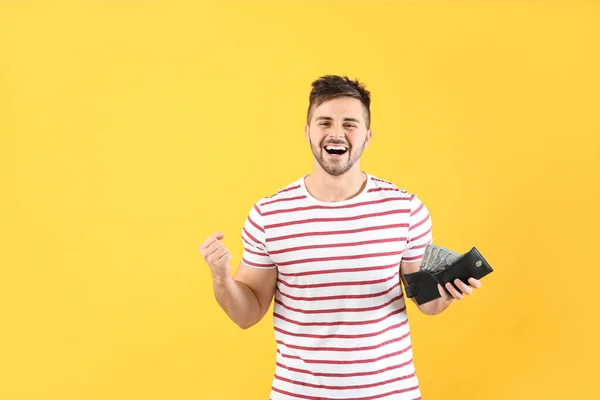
422,285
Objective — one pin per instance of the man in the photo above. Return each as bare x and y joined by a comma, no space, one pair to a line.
332,248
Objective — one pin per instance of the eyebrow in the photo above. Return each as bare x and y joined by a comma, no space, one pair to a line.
331,119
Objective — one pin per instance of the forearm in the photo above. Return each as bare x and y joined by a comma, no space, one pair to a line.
434,307
237,300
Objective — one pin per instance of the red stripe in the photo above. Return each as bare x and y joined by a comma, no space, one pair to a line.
338,362
344,206
338,310
421,246
285,190
380,180
251,237
417,210
400,378
255,225
340,270
345,375
338,323
333,245
428,231
302,396
341,219
382,190
330,284
283,199
349,231
411,259
341,336
257,210
419,223
340,258
257,265
255,252
342,296
312,348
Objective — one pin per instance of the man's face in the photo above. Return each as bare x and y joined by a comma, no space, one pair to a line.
338,134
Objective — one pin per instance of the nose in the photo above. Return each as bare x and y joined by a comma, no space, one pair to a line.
338,132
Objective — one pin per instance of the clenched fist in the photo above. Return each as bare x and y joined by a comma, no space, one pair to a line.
216,255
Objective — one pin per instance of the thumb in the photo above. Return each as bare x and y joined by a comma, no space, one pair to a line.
219,235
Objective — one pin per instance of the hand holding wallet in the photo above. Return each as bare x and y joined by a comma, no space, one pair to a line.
440,266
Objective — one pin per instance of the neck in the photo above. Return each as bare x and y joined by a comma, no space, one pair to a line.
328,188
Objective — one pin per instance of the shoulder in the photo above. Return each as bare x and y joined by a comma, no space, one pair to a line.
291,191
386,188
377,184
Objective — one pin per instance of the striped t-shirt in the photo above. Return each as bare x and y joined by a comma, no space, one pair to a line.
339,315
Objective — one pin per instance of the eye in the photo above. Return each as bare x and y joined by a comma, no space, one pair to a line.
324,124
350,126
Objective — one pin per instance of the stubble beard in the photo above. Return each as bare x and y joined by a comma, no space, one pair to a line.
337,167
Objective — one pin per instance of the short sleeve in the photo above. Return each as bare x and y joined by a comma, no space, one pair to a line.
419,231
253,238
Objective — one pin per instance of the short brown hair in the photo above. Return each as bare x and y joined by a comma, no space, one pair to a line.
329,87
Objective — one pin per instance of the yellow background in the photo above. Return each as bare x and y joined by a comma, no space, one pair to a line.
131,130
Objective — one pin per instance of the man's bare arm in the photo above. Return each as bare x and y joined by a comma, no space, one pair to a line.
247,295
430,308
440,304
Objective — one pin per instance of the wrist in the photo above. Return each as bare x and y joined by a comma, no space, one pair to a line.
435,307
220,277
442,304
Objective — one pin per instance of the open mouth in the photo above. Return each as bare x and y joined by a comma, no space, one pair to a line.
335,150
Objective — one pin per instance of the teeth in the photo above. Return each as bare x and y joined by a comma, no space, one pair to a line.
333,147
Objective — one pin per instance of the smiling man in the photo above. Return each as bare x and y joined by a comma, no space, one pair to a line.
331,248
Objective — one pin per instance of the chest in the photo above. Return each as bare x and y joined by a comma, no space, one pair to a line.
352,246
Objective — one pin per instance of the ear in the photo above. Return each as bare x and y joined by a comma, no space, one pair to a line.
369,136
307,133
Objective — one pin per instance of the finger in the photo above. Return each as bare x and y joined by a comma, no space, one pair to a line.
476,283
210,240
453,291
226,255
216,245
210,251
221,251
443,293
463,287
